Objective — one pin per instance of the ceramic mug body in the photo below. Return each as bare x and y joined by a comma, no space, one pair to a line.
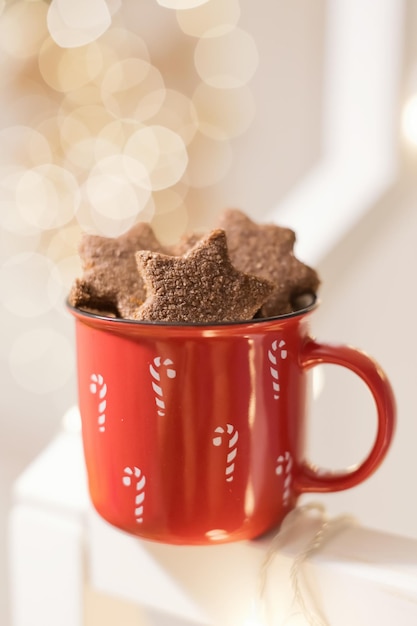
196,434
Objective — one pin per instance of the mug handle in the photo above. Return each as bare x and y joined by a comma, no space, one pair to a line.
309,478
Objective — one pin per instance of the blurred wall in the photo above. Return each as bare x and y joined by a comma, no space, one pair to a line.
368,301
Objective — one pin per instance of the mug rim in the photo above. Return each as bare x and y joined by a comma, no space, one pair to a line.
81,313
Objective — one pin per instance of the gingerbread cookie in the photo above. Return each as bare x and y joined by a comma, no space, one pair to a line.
266,251
202,286
110,280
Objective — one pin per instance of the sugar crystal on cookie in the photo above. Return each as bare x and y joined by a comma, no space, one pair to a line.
110,280
267,251
202,286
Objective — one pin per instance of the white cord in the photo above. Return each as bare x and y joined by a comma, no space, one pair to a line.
304,601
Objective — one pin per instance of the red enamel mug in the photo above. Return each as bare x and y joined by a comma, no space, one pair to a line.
195,434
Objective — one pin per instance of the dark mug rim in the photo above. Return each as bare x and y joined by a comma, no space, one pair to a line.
78,312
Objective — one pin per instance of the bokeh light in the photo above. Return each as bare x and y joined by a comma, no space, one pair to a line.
41,360
78,134
11,219
162,152
209,161
14,242
83,122
118,187
171,217
47,196
114,6
133,89
26,147
108,121
67,270
74,23
226,61
170,199
88,94
23,28
120,43
64,242
213,18
409,120
29,284
66,69
97,222
181,4
223,113
178,114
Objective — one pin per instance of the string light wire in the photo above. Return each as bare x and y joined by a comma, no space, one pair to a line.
304,601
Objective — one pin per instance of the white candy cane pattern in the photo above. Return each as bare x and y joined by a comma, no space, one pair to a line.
232,436
276,351
131,474
284,468
155,370
99,387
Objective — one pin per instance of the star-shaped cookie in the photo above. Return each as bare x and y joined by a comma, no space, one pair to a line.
110,280
267,252
202,286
